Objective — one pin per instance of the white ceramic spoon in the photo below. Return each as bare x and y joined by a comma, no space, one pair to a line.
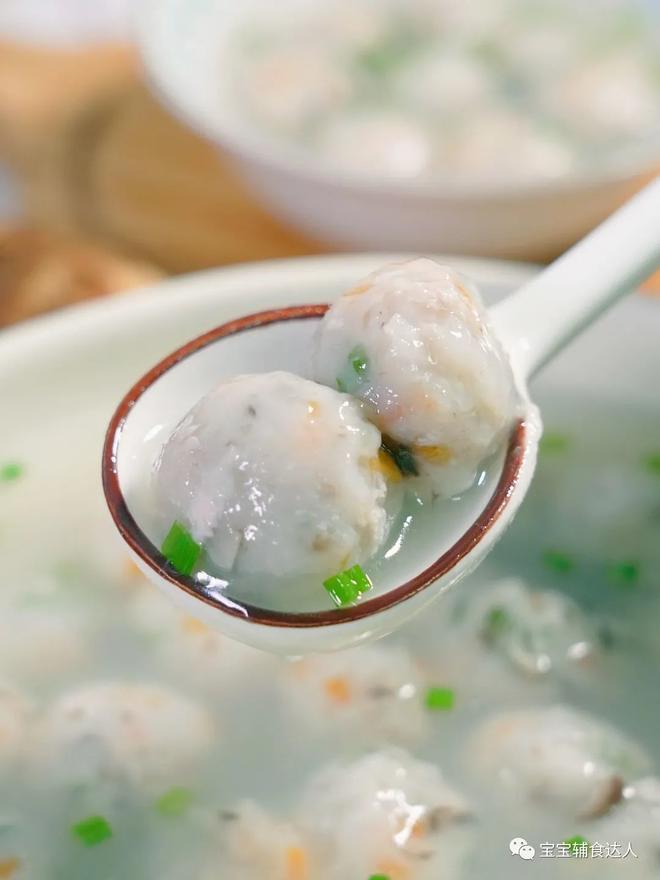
534,323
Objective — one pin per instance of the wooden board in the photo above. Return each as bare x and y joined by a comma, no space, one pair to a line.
104,159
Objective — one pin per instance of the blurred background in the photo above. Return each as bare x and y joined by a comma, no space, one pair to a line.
102,189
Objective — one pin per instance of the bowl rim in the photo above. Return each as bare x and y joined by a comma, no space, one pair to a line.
245,143
150,556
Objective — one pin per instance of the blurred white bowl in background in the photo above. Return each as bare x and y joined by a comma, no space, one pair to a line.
184,45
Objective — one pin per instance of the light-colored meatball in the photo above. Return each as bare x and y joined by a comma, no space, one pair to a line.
413,341
447,85
190,650
377,142
253,845
291,83
499,141
555,756
275,474
385,813
634,821
15,715
140,735
537,632
42,642
373,692
611,96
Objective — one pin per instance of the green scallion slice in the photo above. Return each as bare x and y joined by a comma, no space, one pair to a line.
394,49
346,587
341,386
439,698
11,471
560,562
554,443
379,877
576,842
652,463
497,622
92,831
174,802
625,573
359,361
402,457
180,549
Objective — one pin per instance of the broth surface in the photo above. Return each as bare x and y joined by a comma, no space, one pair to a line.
589,529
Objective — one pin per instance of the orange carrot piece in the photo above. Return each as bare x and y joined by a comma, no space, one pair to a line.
338,689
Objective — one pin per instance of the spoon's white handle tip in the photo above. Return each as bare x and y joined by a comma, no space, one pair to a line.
545,314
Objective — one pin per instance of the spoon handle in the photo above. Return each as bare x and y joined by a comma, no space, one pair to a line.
547,312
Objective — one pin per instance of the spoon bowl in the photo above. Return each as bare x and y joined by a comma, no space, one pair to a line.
274,340
533,324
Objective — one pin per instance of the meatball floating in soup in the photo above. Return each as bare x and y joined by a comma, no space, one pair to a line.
556,756
386,814
372,693
414,343
255,845
275,474
636,819
538,632
15,716
138,735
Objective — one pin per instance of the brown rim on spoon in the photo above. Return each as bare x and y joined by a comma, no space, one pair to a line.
143,547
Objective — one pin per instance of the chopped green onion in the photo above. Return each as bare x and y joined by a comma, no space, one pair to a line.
350,378
358,359
625,572
576,842
558,561
402,458
652,463
554,443
394,50
497,621
92,831
439,698
379,877
180,549
174,802
346,587
11,471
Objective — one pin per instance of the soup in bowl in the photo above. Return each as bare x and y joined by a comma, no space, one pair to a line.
136,741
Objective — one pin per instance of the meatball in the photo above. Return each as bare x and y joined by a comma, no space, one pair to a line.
500,142
414,343
537,632
39,643
372,691
138,735
633,821
380,142
190,650
386,813
275,474
288,85
15,715
557,756
253,845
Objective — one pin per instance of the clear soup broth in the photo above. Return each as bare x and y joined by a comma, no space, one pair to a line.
167,772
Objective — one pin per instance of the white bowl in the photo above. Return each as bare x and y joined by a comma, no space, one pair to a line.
183,43
61,376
